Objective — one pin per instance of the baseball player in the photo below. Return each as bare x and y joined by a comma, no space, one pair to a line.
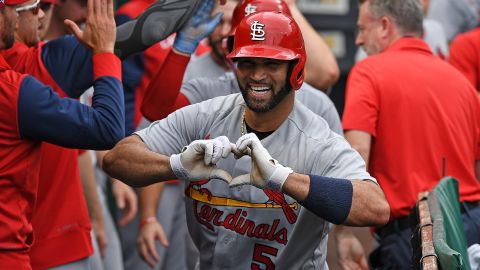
194,91
262,224
32,113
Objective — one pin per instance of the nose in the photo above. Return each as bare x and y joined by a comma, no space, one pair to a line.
41,14
359,40
258,73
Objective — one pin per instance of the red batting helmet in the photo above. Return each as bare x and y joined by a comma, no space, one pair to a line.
272,35
248,7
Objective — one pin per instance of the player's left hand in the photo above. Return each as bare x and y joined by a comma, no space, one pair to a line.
266,172
126,200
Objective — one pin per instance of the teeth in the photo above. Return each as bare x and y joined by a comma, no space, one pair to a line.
259,88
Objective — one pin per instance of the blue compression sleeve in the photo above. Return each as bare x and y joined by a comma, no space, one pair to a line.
329,198
70,65
44,116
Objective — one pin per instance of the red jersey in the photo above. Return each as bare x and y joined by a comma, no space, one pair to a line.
62,235
465,56
19,167
424,118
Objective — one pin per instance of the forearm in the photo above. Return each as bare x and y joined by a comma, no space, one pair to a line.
163,92
321,68
149,198
89,185
134,164
340,201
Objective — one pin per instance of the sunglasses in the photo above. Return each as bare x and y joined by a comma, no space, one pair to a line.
34,8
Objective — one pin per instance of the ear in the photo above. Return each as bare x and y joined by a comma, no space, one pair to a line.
386,24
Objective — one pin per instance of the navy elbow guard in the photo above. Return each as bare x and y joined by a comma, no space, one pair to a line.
329,198
159,21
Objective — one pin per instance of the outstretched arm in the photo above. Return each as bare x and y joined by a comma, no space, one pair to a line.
368,206
354,202
132,162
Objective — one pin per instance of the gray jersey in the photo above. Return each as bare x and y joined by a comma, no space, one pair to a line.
202,89
243,227
202,66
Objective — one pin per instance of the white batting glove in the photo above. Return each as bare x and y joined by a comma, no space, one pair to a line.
266,172
198,160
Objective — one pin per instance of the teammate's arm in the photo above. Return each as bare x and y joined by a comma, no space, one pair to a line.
321,68
163,96
158,104
150,229
87,174
41,112
360,141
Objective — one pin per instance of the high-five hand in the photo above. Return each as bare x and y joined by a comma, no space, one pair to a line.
198,160
100,31
266,172
197,28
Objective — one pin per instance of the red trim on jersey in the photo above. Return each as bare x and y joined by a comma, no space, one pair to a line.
107,64
158,104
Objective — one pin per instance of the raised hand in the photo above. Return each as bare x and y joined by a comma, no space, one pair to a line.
198,160
197,28
266,172
100,31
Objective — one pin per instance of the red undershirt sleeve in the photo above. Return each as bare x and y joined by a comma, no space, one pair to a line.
163,96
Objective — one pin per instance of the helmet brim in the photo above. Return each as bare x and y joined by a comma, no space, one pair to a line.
262,51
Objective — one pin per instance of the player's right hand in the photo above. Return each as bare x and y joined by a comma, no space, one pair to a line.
147,236
197,28
198,160
100,30
266,172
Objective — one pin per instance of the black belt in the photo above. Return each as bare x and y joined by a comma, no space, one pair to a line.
394,226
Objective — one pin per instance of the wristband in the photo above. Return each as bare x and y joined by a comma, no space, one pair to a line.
329,198
278,178
177,167
147,220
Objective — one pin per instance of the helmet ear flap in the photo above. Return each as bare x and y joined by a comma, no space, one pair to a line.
296,73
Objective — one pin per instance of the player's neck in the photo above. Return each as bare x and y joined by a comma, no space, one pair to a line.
271,120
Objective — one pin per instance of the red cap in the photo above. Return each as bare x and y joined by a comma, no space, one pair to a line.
11,2
49,1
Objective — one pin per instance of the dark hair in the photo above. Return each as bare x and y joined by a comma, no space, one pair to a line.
407,14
